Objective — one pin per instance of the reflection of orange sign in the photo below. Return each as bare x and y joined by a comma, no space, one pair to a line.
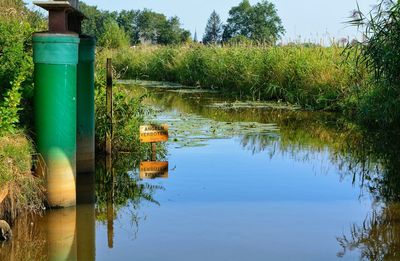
154,133
153,170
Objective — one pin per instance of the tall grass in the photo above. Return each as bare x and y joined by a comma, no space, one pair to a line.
379,53
25,190
128,115
315,77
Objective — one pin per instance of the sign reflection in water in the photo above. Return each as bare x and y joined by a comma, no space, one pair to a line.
153,170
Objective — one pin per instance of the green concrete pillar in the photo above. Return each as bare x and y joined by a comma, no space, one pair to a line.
56,58
85,155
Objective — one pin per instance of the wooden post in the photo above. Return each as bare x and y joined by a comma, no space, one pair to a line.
110,202
153,151
109,98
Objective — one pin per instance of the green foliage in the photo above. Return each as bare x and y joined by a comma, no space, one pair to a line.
15,173
17,24
128,20
213,32
172,33
313,77
379,53
10,107
259,22
143,26
94,25
113,36
122,187
128,115
239,40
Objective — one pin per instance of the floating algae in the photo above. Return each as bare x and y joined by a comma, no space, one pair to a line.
154,84
190,130
253,105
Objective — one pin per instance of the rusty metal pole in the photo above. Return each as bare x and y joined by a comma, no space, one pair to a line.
109,102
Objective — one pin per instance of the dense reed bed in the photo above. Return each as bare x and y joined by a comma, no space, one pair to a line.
318,78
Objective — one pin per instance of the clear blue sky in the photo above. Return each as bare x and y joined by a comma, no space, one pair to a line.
310,19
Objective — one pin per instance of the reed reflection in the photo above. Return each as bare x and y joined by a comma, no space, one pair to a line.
377,238
375,163
29,240
118,186
368,157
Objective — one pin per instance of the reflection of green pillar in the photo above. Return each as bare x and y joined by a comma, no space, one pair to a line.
61,234
85,106
56,58
86,232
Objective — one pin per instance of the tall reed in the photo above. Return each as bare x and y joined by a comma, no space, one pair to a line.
314,77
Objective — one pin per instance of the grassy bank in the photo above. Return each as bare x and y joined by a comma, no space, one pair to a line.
25,192
316,78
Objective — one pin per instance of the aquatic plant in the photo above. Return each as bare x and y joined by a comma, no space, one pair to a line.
128,113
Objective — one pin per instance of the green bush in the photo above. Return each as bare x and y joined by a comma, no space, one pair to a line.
113,36
128,115
16,71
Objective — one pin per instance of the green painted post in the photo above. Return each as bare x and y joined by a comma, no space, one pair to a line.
85,155
56,58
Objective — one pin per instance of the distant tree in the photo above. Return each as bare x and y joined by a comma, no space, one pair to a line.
128,20
150,25
186,36
94,24
171,32
195,39
213,32
139,26
113,36
259,23
238,22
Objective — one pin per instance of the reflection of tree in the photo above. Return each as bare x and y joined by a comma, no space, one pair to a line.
259,142
373,161
377,238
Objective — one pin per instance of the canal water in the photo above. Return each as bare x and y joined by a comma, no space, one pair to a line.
245,181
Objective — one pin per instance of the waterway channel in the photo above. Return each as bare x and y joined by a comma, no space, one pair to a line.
245,181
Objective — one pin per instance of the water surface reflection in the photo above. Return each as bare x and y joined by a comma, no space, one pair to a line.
243,184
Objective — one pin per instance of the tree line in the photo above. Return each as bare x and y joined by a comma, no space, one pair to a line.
113,29
246,22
